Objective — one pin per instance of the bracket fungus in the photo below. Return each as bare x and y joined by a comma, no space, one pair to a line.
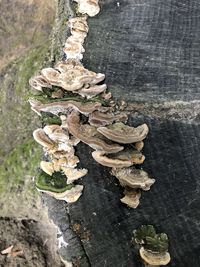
89,115
72,77
78,26
63,107
39,82
131,198
74,44
133,178
92,91
124,134
114,162
99,119
41,138
89,7
56,186
86,134
71,173
153,247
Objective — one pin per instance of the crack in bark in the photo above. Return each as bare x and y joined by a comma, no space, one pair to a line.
80,241
174,110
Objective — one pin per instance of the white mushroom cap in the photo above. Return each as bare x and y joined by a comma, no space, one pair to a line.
70,196
131,198
154,259
47,167
89,7
73,174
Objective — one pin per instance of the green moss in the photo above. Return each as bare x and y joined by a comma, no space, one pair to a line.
29,66
21,162
70,96
147,237
17,119
56,183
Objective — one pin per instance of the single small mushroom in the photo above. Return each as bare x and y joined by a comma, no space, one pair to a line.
154,258
73,174
114,162
121,133
64,106
153,246
70,162
130,154
133,178
99,119
39,82
131,198
139,145
78,26
86,134
56,133
91,91
40,137
90,7
74,47
47,167
57,94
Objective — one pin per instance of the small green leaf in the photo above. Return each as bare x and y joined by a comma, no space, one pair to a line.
158,243
142,232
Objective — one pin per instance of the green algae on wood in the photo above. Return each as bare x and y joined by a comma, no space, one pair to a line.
56,183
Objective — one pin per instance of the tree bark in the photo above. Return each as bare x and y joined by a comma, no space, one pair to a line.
149,51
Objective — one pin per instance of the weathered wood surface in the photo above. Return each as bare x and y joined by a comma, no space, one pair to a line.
149,51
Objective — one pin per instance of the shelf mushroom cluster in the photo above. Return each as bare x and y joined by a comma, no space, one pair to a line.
103,128
153,247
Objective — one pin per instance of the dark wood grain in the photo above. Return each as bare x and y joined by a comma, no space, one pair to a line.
149,51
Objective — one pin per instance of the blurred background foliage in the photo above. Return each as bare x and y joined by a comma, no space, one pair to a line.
25,33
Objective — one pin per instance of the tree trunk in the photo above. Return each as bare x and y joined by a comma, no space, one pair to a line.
149,51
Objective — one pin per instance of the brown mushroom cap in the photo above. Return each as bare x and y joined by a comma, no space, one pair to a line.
56,133
86,134
64,107
131,198
38,82
98,118
40,137
132,155
124,134
133,178
154,259
78,25
74,48
100,157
